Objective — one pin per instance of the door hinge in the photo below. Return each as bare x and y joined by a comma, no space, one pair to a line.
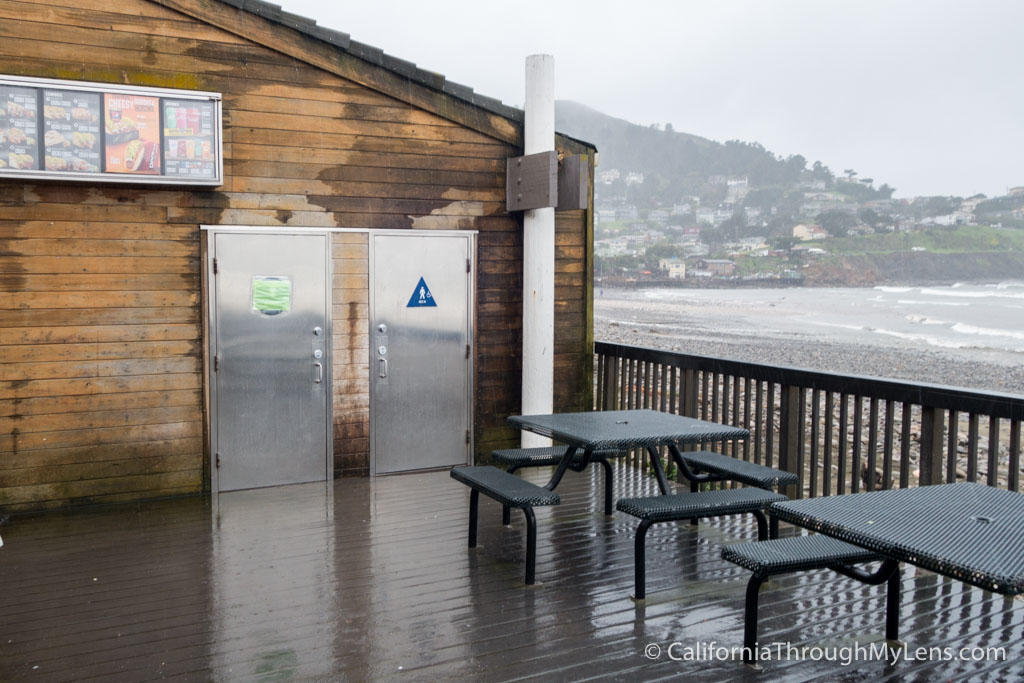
217,461
215,266
469,266
216,363
467,436
467,350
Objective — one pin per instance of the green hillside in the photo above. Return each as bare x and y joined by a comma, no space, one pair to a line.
673,162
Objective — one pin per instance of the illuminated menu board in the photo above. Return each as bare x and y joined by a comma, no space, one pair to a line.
19,125
71,131
85,131
189,139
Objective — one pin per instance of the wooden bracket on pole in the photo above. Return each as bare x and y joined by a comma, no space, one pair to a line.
573,183
539,181
531,181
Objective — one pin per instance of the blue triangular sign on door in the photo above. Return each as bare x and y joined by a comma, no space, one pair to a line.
421,296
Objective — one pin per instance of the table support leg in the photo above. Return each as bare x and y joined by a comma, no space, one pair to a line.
563,466
659,471
474,505
892,605
888,573
762,525
607,486
750,619
640,561
531,546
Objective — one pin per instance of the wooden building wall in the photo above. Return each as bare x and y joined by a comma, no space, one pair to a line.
101,348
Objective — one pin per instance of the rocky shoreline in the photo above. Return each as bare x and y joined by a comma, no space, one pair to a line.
925,366
704,339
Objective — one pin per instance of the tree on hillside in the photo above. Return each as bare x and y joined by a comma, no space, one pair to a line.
784,243
869,217
764,198
711,236
836,223
661,250
734,226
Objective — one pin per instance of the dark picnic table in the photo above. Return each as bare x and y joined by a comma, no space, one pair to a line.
604,430
970,532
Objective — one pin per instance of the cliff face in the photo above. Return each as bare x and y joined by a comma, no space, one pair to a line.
862,270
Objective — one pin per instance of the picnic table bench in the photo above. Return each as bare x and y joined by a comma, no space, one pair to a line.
783,556
512,492
966,531
655,509
516,458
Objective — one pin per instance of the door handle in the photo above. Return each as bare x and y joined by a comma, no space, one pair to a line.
319,372
383,367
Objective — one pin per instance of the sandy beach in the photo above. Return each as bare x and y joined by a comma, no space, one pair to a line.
722,328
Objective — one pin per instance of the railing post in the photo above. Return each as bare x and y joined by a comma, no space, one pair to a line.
610,400
931,447
790,431
690,392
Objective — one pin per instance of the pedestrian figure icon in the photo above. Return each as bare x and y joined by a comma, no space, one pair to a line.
421,296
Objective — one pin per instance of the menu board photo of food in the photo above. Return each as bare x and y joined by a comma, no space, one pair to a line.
80,131
19,129
189,139
132,134
71,124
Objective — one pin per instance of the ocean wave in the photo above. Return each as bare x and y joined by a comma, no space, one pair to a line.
972,295
856,328
895,290
927,339
914,302
925,320
987,331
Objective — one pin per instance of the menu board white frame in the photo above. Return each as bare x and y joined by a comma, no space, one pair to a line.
42,84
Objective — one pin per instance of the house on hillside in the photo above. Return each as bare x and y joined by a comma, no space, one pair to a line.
675,267
706,267
807,231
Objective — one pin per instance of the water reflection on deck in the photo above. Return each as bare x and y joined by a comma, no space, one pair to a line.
376,582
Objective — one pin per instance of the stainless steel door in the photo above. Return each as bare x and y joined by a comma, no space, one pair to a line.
271,359
420,336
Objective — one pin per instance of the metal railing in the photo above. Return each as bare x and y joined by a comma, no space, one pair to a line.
838,433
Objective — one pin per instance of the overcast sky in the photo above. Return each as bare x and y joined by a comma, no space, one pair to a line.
926,96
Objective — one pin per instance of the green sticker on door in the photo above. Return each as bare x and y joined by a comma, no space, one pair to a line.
271,294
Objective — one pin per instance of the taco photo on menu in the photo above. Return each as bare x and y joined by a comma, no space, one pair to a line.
120,132
56,163
21,161
84,166
82,114
55,138
16,110
52,112
16,136
83,140
134,155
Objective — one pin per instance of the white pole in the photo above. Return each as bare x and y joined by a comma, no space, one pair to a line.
538,253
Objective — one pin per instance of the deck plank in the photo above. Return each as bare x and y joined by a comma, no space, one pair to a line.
377,582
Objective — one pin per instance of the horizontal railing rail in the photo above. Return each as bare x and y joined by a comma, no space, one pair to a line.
838,433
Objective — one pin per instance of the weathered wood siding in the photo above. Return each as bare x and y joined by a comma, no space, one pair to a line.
351,349
101,377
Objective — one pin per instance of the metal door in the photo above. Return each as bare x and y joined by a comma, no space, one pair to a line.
271,359
421,356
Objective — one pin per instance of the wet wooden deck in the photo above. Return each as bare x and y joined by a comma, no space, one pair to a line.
377,584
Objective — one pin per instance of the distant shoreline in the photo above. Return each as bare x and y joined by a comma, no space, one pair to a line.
726,334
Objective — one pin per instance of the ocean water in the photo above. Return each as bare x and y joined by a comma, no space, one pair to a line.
971,321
